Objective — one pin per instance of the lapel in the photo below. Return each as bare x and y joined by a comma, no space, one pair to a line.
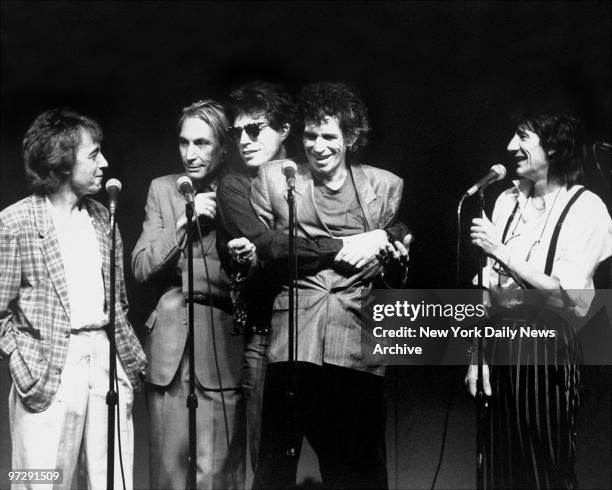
368,201
49,247
306,209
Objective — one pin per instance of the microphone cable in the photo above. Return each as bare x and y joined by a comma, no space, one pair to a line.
458,246
214,339
444,434
119,431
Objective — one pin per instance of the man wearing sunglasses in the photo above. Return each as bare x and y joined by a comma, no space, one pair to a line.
262,115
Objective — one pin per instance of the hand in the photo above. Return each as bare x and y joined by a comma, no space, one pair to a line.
206,204
360,251
394,260
484,235
241,250
471,379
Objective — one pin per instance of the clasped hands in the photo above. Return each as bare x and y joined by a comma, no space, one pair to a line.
363,250
359,251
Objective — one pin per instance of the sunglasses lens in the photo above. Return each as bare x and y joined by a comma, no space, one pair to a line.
252,130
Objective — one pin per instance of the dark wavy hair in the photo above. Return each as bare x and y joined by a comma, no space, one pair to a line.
320,100
563,140
50,146
266,98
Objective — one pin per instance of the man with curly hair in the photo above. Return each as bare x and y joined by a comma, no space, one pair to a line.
337,397
55,260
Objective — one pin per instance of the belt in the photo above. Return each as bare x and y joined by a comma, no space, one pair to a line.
87,328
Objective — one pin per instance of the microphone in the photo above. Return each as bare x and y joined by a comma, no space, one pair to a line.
602,145
289,169
113,188
497,172
185,187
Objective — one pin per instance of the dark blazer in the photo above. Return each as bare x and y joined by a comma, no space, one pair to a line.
329,306
34,308
158,259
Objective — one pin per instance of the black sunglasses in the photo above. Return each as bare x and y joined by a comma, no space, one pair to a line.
252,130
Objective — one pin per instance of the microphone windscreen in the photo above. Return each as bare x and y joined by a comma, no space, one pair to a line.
289,168
184,184
500,170
113,183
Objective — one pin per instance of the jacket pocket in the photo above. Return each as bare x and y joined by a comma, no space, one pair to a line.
304,301
25,361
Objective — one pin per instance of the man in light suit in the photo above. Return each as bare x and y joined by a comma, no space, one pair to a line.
54,296
159,260
339,398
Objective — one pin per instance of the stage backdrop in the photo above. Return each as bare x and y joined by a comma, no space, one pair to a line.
442,81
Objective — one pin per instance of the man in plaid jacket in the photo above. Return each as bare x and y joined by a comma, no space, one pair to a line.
54,297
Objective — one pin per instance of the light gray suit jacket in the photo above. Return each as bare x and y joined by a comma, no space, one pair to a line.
157,259
329,306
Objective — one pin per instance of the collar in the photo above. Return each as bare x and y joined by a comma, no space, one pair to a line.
208,187
58,215
522,191
303,177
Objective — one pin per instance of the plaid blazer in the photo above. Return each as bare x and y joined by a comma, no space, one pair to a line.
34,308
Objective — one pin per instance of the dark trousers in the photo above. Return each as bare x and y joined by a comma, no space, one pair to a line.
342,413
533,409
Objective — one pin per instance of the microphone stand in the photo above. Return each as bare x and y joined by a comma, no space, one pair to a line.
192,400
292,334
111,395
481,401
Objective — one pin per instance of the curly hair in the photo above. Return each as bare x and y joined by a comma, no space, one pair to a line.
326,99
562,139
266,98
211,113
50,146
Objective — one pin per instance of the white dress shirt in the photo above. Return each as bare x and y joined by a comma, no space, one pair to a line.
585,239
82,267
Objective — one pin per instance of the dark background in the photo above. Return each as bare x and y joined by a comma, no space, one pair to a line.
442,82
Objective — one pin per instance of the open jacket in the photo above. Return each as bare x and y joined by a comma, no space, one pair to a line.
158,259
329,303
34,307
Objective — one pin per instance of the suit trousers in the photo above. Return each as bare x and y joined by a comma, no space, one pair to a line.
219,467
253,385
342,413
73,430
